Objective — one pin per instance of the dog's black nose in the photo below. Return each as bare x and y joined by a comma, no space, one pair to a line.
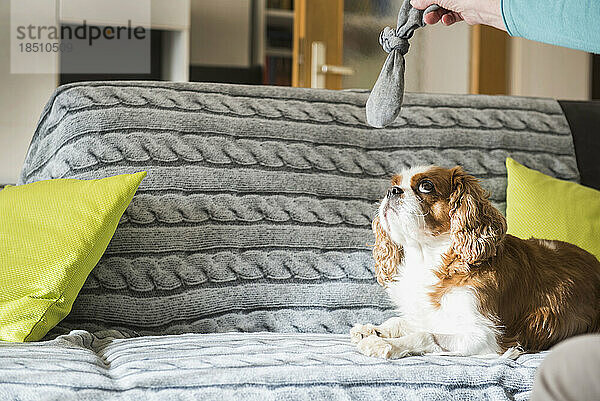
394,191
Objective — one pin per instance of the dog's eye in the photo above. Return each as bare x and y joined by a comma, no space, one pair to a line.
426,186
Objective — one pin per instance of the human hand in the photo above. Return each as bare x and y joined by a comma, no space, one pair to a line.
487,12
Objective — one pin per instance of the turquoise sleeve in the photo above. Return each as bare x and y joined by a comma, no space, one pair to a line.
569,23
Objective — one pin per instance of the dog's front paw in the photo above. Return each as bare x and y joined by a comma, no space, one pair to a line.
360,331
375,346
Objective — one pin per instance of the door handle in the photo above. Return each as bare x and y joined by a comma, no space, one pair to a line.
318,67
336,69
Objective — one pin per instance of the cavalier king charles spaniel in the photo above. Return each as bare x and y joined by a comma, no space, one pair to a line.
461,284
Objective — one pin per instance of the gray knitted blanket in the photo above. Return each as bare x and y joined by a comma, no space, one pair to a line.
255,217
255,214
246,366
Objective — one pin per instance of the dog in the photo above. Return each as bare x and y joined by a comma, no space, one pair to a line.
461,284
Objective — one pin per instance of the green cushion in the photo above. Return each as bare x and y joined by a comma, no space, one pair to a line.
52,234
545,207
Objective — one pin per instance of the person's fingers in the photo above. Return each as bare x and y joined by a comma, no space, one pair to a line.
435,16
432,18
454,17
448,19
421,4
457,16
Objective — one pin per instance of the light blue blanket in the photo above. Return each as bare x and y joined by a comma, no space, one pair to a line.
246,366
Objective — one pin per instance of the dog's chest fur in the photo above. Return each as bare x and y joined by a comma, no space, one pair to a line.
455,320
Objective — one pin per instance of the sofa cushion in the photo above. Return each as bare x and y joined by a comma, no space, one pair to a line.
248,366
53,233
543,207
255,215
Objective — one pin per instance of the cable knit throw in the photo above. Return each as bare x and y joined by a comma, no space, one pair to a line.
385,100
254,220
256,212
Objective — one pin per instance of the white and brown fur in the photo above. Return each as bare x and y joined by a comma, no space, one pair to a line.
461,284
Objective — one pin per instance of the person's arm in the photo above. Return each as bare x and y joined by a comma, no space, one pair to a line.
569,23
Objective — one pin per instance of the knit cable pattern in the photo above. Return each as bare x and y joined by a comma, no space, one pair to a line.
80,99
248,366
255,212
223,150
196,208
146,273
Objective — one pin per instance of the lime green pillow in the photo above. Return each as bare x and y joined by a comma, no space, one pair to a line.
52,234
545,207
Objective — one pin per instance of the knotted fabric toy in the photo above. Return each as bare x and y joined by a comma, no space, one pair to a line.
386,97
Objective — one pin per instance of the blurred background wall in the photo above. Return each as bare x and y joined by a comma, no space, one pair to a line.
23,98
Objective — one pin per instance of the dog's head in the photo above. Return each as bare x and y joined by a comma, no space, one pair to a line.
424,203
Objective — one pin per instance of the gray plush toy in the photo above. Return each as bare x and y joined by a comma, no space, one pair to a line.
386,97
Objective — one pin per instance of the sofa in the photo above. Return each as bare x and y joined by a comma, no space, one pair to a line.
243,260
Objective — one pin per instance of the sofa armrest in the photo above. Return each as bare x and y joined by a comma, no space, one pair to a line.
584,120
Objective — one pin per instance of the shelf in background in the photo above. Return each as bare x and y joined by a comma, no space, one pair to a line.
279,52
277,38
283,18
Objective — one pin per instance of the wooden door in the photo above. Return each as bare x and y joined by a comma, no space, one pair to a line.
489,61
317,21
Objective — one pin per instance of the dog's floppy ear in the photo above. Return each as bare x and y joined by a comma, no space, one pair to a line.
386,253
476,227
